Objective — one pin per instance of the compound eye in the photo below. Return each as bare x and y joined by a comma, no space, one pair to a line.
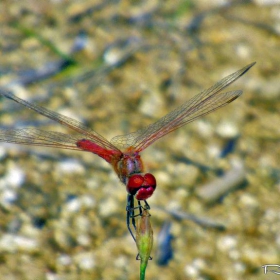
142,186
134,183
150,180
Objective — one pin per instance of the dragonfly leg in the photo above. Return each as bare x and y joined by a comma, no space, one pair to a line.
146,206
140,208
130,214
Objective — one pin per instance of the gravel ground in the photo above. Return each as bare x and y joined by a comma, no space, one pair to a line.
118,66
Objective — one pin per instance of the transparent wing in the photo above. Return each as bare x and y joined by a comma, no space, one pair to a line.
38,137
202,104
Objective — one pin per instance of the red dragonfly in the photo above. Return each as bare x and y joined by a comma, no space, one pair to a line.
123,152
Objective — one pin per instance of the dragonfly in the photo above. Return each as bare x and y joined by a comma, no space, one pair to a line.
123,151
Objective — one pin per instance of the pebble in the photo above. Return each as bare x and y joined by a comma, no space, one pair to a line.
8,197
13,243
226,243
14,176
73,205
64,259
267,2
9,184
227,129
52,276
70,166
151,105
85,260
107,207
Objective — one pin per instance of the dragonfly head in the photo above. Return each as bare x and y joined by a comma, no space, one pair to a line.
141,186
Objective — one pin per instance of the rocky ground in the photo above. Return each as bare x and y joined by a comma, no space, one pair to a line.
118,66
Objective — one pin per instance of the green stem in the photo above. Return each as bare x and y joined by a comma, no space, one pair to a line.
143,266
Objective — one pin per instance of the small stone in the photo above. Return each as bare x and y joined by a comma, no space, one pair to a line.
227,129
70,166
85,260
227,243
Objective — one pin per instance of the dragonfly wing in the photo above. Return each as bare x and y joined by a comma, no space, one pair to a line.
66,121
202,104
37,137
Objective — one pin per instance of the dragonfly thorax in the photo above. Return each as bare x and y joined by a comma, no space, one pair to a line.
130,163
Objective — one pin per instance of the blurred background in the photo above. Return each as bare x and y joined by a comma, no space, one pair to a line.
118,66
